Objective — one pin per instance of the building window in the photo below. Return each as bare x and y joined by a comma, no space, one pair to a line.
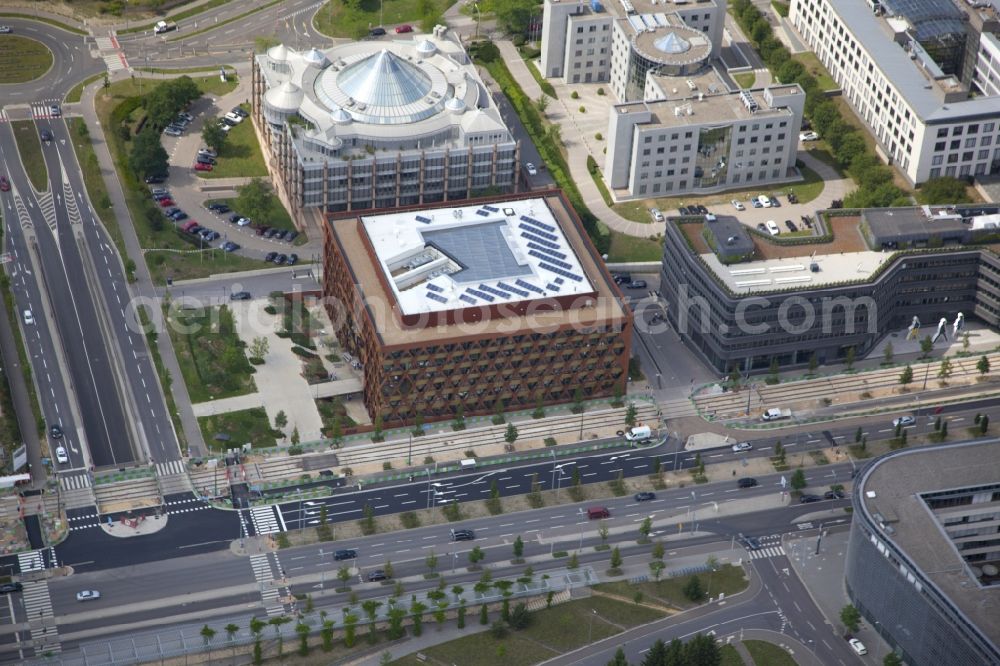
970,142
935,173
943,132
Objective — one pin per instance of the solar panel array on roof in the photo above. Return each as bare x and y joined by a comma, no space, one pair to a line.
513,290
490,290
539,255
479,294
484,213
540,241
434,287
536,230
541,225
434,297
552,287
492,209
558,280
559,271
528,286
536,246
467,299
425,220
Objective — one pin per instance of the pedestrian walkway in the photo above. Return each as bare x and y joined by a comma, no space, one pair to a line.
170,467
38,609
76,481
264,575
264,519
30,561
767,552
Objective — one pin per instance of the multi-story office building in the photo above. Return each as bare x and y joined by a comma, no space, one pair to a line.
488,304
908,69
378,124
790,304
924,551
986,75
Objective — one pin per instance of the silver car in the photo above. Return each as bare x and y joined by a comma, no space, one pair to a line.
88,595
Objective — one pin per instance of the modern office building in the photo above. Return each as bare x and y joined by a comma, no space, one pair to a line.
924,552
918,72
742,308
496,302
378,124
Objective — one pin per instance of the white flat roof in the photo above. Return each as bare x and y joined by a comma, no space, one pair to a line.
794,272
464,256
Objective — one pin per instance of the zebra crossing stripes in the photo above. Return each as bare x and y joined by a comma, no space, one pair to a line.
105,44
767,551
264,574
38,609
264,520
75,481
3,116
170,467
42,109
30,561
115,61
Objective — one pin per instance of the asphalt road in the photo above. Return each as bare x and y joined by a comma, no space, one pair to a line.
71,63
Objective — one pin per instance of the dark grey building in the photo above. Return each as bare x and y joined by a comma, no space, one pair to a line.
746,314
924,549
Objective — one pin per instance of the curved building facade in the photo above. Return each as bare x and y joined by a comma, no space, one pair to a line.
923,534
379,124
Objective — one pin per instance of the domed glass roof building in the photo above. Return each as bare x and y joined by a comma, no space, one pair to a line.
379,124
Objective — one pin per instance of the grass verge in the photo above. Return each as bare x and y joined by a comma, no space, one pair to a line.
816,68
768,653
730,657
96,189
545,85
233,19
247,425
23,59
187,13
240,155
8,299
726,579
164,375
43,19
185,70
30,147
625,248
745,80
210,353
76,92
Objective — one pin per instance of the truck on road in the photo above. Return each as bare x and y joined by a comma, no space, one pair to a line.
468,464
640,433
776,414
163,26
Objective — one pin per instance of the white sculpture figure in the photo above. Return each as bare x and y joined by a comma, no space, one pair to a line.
941,330
914,329
958,325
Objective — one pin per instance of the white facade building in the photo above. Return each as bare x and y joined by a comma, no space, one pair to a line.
918,108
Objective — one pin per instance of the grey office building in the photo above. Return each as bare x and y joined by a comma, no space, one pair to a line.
922,561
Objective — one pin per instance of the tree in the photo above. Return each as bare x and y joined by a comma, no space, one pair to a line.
231,631
542,103
943,190
578,400
280,420
798,481
892,659
510,435
779,453
773,372
259,347
276,622
518,547
906,376
984,424
849,358
574,561
945,370
852,145
858,434
631,413
148,158
692,589
255,200
431,561
887,354
343,575
294,439
484,617
387,568
983,365
657,654
850,617
514,16
926,345
656,566
659,550
207,633
377,432
461,614
213,136
616,558
645,528
302,629
520,617
702,649
965,340
554,133
459,422
602,531
943,433
619,659
370,607
476,555
350,628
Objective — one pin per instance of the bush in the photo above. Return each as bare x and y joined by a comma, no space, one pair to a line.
583,109
599,137
575,95
387,465
256,360
600,91
304,353
295,450
550,441
470,453
270,309
409,520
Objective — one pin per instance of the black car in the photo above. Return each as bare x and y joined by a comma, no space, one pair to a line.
240,112
269,257
378,574
291,235
808,499
179,216
684,210
221,208
376,32
55,432
169,212
761,228
750,543
623,278
833,494
235,217
644,497
791,225
462,535
150,180
345,554
702,210
747,482
327,473
46,135
7,588
240,296
280,259
271,233
292,259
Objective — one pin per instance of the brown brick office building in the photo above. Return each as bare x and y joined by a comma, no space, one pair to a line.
500,299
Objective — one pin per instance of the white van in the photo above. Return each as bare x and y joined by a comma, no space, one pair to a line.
858,647
29,318
468,464
772,228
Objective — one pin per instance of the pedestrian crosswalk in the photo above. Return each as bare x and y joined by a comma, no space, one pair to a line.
264,520
170,467
30,561
76,481
3,116
42,109
113,57
264,574
105,44
767,551
38,609
114,61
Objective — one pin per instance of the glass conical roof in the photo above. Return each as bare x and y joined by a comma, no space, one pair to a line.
384,79
672,43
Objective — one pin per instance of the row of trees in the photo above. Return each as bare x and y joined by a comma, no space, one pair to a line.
701,650
161,104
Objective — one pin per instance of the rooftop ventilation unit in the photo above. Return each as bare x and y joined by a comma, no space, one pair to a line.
748,101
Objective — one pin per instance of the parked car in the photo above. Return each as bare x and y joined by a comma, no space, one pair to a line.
166,203
219,208
243,222
240,112
292,259
376,32
291,235
195,229
173,131
764,201
186,116
230,246
270,233
791,225
755,202
208,152
462,535
7,588
204,159
775,203
224,126
345,554
833,494
761,228
644,497
263,229
179,216
61,456
809,499
531,169
903,421
656,214
683,210
636,284
702,210
738,205
199,166
378,574
280,259
4,184
808,136
155,179
400,29
88,595
772,228
235,217
229,122
234,117
240,296
269,257
741,447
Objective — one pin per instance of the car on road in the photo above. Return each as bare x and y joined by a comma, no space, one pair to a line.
345,554
858,647
56,431
596,512
240,296
400,29
644,497
748,542
29,318
4,184
201,166
292,259
5,30
833,494
903,421
7,588
809,499
740,447
269,257
746,482
46,135
531,169
376,32
54,110
636,284
738,205
378,574
462,535
88,595
61,456
808,136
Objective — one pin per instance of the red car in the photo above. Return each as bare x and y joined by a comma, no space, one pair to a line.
198,166
4,184
400,29
166,203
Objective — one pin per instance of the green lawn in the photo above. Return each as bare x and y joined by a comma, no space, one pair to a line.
96,189
727,578
76,92
230,70
30,147
816,68
22,59
336,20
632,248
192,265
730,657
745,80
210,354
240,155
768,653
808,189
248,425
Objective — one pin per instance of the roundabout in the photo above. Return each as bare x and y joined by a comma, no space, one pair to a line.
23,59
41,62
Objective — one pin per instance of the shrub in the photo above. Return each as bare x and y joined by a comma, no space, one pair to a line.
575,95
295,450
583,109
470,453
304,353
550,441
409,520
270,309
386,465
256,360
600,91
599,137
